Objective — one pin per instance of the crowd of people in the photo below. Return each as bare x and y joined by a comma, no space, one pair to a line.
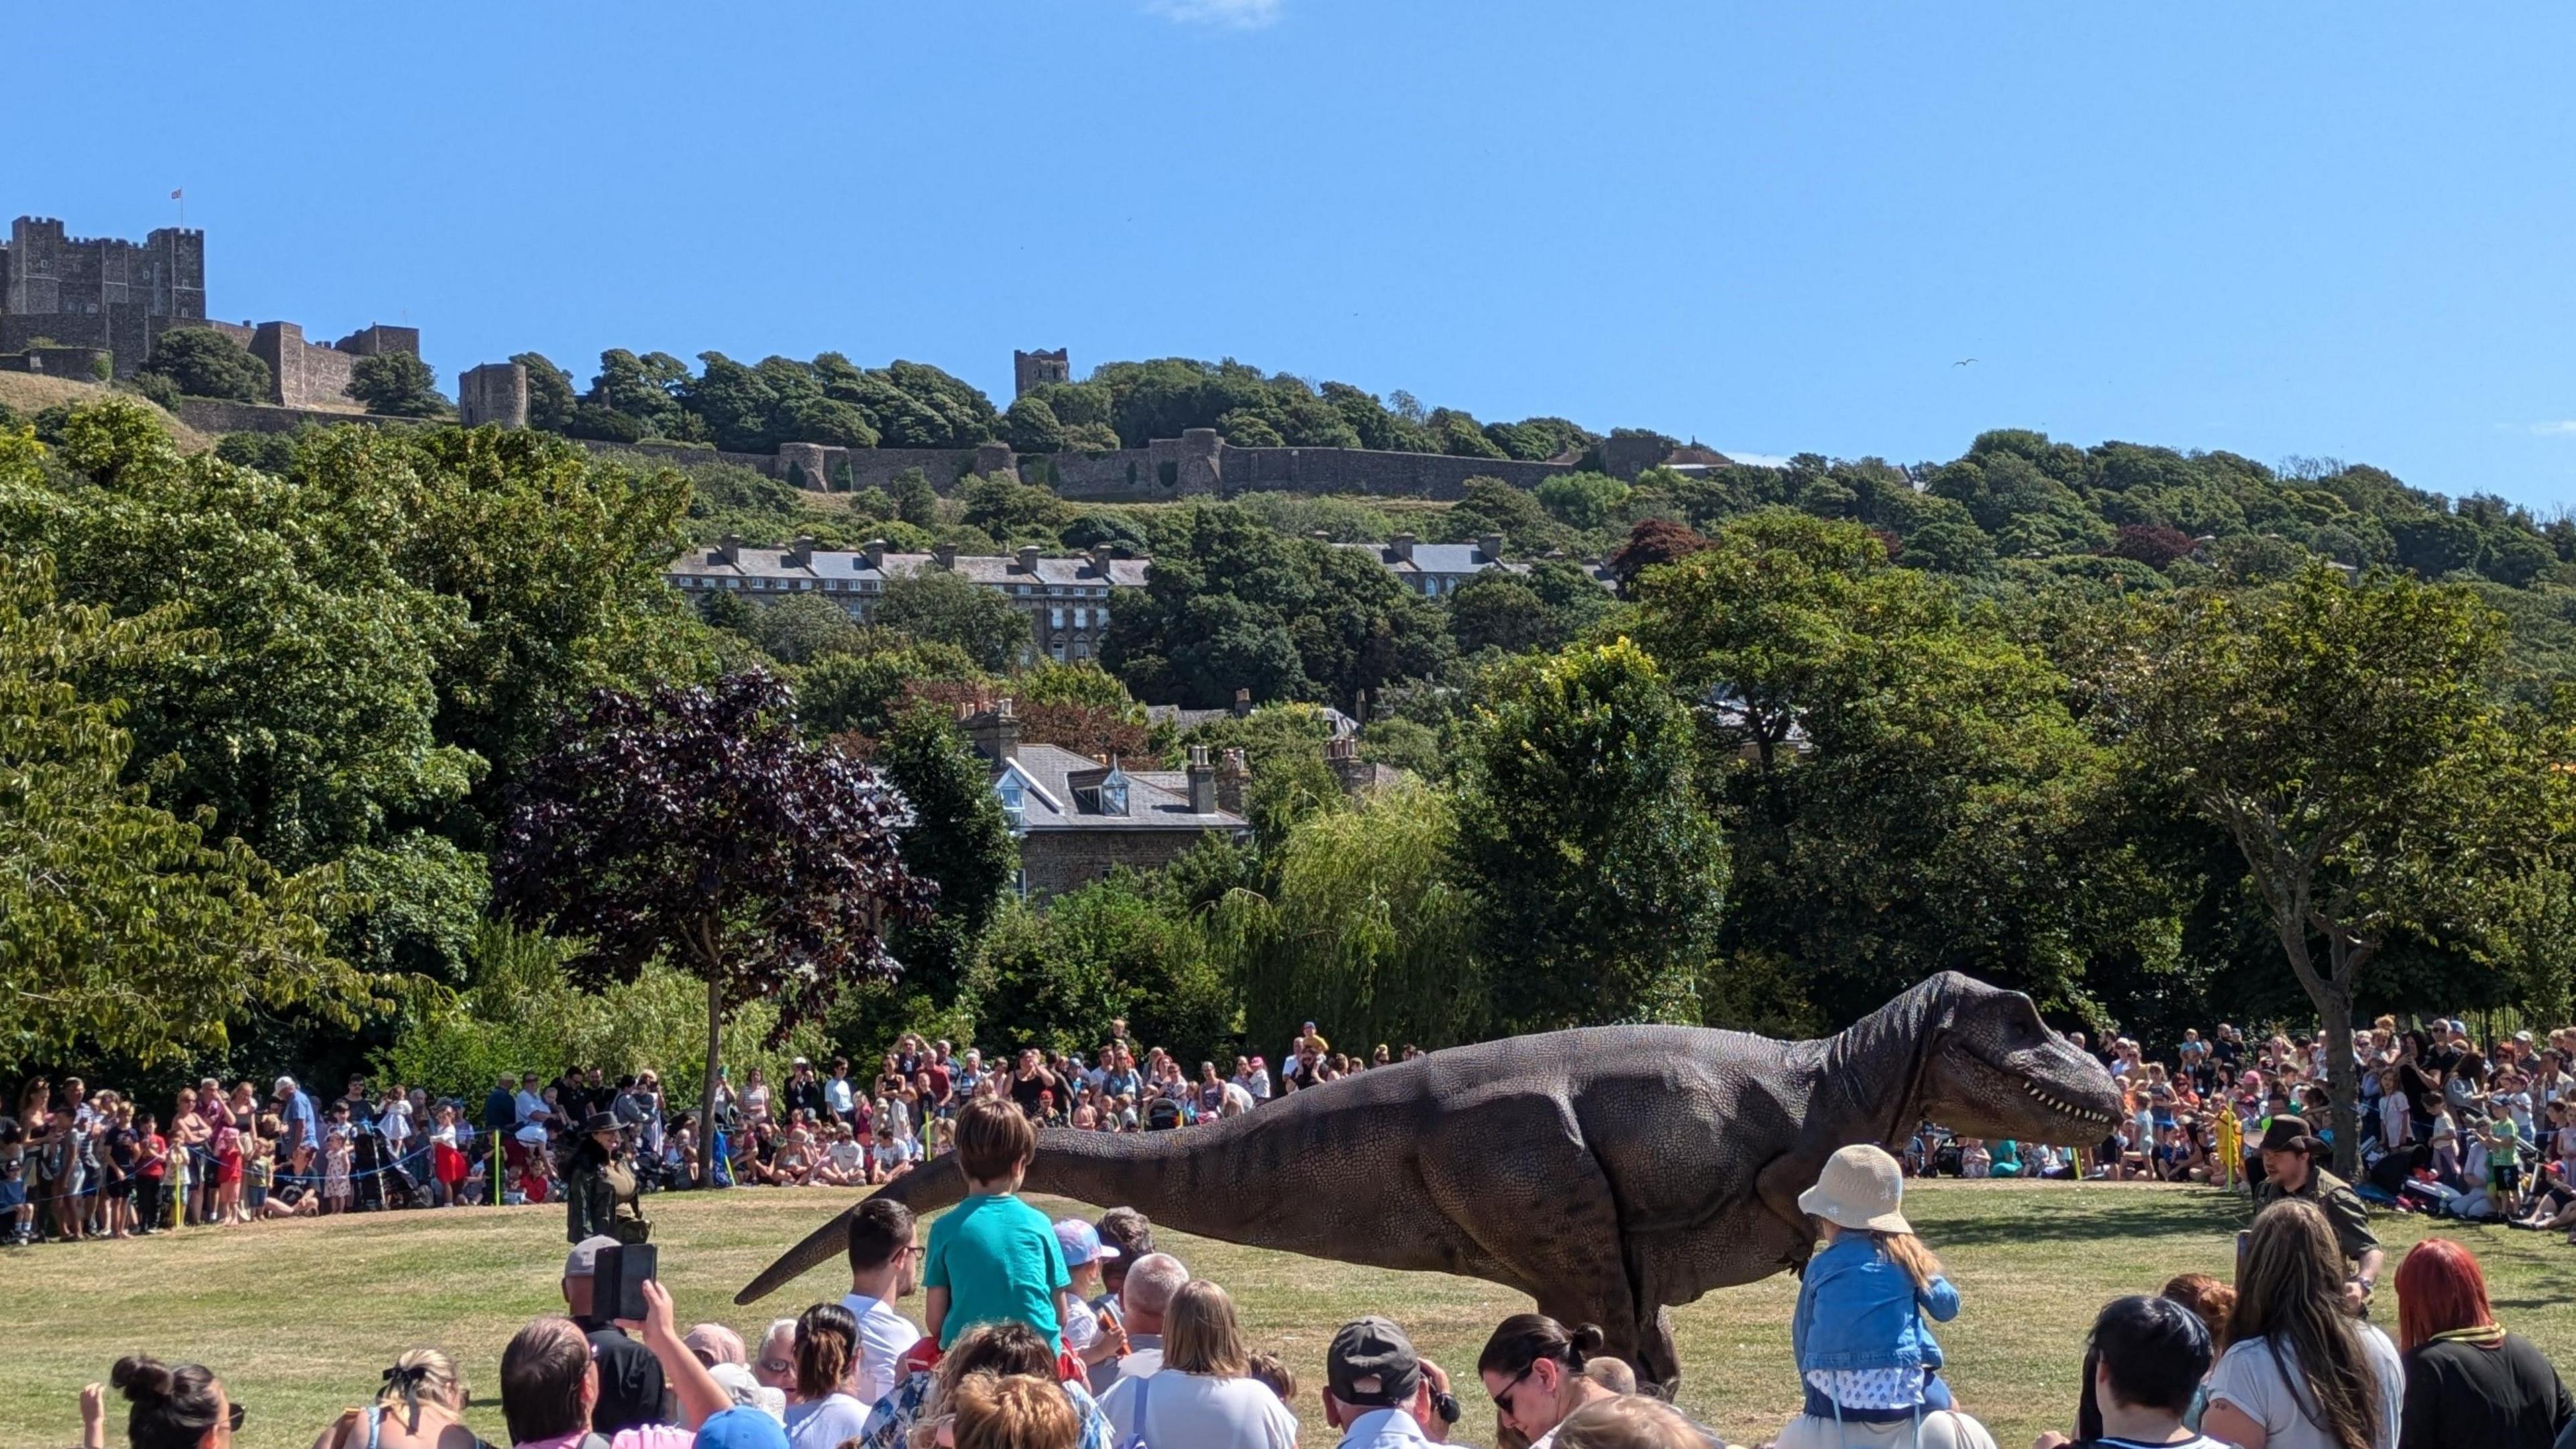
78,1164
1081,1334
2445,1125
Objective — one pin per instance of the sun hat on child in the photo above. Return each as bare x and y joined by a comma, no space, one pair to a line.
1859,1189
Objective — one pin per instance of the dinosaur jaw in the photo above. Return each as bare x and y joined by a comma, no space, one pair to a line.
2048,1098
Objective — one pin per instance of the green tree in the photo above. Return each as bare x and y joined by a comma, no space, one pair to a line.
2346,739
398,384
915,501
1362,925
551,399
956,838
1886,772
1051,979
943,607
1031,427
202,362
123,928
864,692
1495,610
1595,876
802,628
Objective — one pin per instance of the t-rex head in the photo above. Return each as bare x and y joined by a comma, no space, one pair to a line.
1991,1068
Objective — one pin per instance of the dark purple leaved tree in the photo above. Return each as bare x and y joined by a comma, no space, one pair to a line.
699,822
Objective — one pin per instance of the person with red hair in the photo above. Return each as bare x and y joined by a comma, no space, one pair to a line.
2469,1384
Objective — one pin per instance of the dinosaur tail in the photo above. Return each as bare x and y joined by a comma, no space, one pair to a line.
1182,1179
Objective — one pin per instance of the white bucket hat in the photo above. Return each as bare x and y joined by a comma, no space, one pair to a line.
1859,1189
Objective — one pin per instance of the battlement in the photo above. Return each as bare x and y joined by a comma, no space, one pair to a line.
1036,369
109,293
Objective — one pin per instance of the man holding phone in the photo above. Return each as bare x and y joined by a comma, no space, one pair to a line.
631,1386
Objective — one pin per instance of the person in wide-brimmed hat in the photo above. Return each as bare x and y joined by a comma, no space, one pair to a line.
2290,1169
1866,1360
601,1195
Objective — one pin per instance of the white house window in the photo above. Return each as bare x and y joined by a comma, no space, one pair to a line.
1113,792
1055,618
1082,618
1015,802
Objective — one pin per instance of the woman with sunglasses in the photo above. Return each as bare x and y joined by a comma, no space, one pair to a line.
1533,1369
172,1406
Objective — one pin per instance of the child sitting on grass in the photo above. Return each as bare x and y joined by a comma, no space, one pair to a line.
1864,1353
995,1258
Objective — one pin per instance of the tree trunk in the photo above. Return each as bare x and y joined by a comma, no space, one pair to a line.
707,1090
2343,1082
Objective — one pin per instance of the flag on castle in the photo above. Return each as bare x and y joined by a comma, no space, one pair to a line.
174,196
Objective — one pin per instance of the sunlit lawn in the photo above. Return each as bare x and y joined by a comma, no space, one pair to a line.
300,1318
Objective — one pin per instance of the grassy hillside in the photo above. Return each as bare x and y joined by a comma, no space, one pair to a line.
27,394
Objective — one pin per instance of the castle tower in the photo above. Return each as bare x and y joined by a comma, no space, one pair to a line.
1035,369
102,292
495,393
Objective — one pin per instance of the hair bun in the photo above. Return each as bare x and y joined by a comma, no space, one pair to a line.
141,1378
1584,1341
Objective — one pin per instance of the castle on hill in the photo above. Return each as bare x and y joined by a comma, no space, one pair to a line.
67,303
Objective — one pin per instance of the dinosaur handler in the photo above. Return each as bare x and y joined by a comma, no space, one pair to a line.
2290,1170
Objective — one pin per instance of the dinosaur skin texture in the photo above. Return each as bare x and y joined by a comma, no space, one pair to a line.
1608,1172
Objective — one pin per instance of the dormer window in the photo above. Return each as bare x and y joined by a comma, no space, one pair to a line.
1113,792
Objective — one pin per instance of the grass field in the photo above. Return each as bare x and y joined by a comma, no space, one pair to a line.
300,1318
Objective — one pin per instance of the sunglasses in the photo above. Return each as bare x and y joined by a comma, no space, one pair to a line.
1503,1400
237,1414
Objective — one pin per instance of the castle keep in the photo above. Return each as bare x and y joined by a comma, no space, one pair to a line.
118,297
99,292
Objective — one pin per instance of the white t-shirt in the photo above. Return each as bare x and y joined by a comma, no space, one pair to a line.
893,1154
826,1423
848,1156
1200,1411
2248,1377
884,1336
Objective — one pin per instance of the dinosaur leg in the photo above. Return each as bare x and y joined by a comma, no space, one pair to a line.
1514,1173
1658,1362
1778,1186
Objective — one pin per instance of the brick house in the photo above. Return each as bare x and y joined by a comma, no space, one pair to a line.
1076,817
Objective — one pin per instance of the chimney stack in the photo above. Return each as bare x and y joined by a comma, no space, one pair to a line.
1242,703
996,732
945,554
1028,558
800,553
1491,546
1342,756
1230,775
1100,558
1202,782
1402,547
875,549
729,549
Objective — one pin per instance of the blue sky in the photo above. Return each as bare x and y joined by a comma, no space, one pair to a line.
2277,229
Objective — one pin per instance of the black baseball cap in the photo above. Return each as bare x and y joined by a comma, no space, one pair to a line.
1372,1365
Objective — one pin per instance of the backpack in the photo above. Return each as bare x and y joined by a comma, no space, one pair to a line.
1162,1114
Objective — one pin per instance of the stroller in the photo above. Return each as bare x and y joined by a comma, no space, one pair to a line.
378,1177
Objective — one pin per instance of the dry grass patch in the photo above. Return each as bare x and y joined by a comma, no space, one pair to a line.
30,393
300,1318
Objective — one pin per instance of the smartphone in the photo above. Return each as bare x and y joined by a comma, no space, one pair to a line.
617,1279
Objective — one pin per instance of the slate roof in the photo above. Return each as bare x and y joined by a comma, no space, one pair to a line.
1052,775
1437,558
992,570
1189,719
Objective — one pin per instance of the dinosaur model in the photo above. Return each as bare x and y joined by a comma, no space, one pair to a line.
1608,1172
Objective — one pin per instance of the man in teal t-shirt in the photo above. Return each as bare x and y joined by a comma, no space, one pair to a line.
994,1259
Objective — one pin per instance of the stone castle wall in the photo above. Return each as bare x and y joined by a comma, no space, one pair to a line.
213,415
1194,465
99,292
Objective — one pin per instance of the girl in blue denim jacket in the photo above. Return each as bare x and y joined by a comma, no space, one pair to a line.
1864,1352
